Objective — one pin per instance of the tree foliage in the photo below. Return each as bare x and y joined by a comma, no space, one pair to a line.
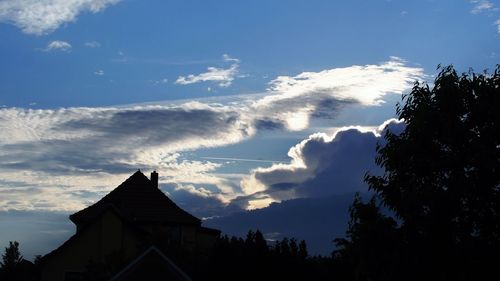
14,268
11,257
441,182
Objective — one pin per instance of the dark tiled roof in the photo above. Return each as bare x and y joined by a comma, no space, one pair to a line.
138,200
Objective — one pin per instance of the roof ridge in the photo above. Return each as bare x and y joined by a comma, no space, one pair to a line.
137,198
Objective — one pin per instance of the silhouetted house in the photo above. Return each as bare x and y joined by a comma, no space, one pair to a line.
134,228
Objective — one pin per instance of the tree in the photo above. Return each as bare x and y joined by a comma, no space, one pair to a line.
442,176
11,257
371,243
303,250
10,261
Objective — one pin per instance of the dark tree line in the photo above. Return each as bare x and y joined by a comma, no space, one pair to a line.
254,258
441,183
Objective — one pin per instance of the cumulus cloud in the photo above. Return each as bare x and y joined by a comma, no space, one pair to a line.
63,150
223,76
58,45
320,165
45,16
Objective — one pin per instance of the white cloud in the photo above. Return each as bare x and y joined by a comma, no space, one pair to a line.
228,58
61,150
158,82
223,76
293,100
365,84
482,6
99,72
58,45
44,16
92,44
320,165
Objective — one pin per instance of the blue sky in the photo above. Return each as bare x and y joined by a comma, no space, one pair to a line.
235,103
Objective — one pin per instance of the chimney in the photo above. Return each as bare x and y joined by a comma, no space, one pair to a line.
154,179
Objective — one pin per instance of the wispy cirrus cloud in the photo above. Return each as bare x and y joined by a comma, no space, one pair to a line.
482,6
92,44
228,58
44,16
485,6
223,76
58,45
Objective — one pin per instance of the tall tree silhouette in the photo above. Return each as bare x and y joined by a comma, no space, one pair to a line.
11,257
14,268
442,175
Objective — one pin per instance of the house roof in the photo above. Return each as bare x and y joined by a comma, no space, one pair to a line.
138,200
152,264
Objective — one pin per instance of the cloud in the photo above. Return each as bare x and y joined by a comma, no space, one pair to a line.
63,150
293,100
113,139
158,82
92,44
223,76
482,6
228,58
99,72
58,45
320,165
44,16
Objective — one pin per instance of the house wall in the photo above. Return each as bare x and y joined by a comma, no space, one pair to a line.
108,240
105,240
205,241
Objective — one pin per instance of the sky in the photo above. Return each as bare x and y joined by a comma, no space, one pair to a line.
239,105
